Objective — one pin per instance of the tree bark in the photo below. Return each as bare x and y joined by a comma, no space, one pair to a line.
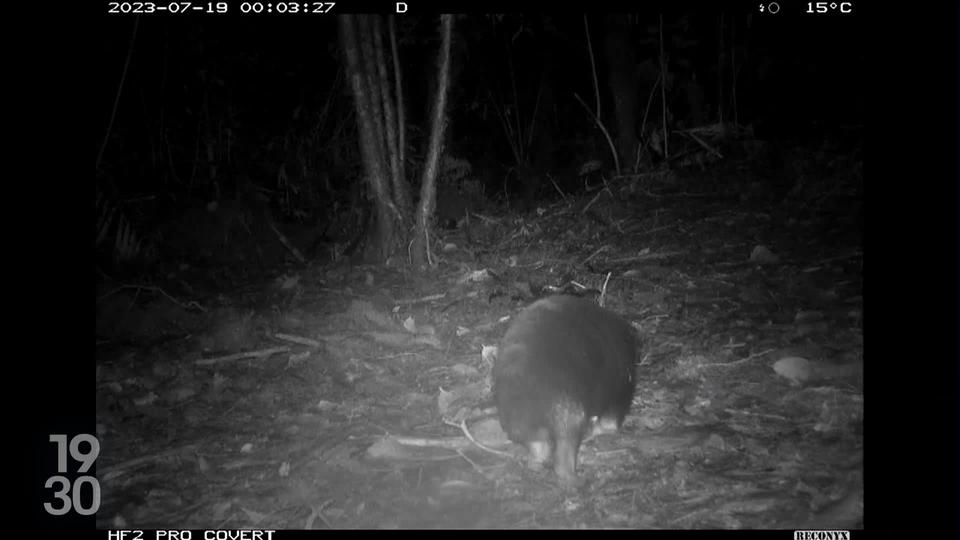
381,235
401,110
401,193
420,253
624,83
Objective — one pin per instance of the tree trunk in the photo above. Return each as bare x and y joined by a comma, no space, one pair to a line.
381,127
624,83
365,83
401,193
420,253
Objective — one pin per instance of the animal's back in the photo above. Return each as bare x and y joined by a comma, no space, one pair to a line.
564,368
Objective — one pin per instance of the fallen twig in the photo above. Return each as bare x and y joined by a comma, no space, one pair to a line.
421,442
463,427
706,146
263,353
560,191
600,250
594,199
298,340
647,256
752,357
422,300
286,243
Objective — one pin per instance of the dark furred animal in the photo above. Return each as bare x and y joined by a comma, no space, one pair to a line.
564,372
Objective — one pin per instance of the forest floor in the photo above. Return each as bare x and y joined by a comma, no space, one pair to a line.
338,396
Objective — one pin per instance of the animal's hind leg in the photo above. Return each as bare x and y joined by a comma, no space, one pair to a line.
569,425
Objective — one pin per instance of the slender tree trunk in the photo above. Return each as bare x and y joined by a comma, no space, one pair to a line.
624,83
420,253
401,194
721,61
401,111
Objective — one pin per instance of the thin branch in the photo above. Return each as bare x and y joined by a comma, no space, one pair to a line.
593,65
116,99
663,95
613,149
